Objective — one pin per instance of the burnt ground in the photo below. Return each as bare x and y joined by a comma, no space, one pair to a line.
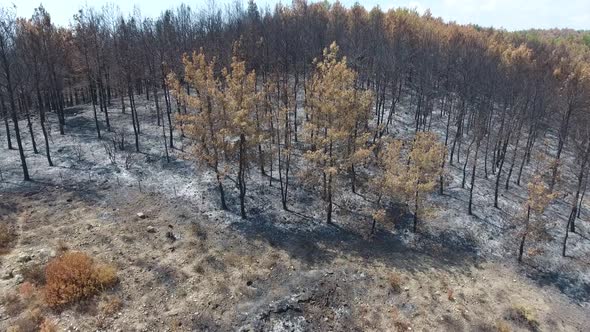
188,266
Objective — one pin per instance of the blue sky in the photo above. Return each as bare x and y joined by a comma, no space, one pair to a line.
509,14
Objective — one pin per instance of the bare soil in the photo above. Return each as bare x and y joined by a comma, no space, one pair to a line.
194,273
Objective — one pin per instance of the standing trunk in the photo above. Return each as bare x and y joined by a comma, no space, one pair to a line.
42,123
509,175
93,96
7,126
133,118
466,162
444,158
242,175
92,92
416,207
473,177
7,74
572,218
563,132
14,116
24,108
122,97
582,198
329,188
220,186
524,233
502,158
168,111
157,102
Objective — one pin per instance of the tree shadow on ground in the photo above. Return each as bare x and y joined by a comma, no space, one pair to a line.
572,287
320,244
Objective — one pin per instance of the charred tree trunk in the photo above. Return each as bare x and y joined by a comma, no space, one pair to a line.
6,124
524,233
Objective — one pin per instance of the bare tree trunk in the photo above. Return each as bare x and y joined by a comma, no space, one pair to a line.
133,118
23,108
473,177
19,142
242,175
42,123
7,126
524,234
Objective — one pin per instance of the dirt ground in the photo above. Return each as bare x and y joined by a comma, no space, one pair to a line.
180,270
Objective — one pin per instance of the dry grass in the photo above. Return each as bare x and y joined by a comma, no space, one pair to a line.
75,276
395,282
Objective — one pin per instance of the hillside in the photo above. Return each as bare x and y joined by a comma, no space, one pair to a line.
307,167
186,265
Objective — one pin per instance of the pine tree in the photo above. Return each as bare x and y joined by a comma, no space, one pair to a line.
222,122
337,112
411,171
539,197
240,101
205,121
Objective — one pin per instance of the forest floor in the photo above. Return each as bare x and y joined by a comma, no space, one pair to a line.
186,265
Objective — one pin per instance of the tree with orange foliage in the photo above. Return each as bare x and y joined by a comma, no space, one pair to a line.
411,171
539,196
337,114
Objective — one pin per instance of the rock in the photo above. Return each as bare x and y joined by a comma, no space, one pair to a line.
18,278
8,275
23,258
44,254
171,236
141,215
151,229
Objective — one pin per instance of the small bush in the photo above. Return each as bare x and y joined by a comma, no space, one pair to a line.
47,326
13,305
402,326
524,316
34,274
502,327
75,276
395,281
27,290
110,305
450,295
199,232
61,247
32,321
7,238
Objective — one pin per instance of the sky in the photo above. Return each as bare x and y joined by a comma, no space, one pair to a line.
508,14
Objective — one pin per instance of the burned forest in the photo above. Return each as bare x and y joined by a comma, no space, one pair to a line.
301,167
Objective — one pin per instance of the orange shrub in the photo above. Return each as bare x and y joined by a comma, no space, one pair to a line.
75,276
